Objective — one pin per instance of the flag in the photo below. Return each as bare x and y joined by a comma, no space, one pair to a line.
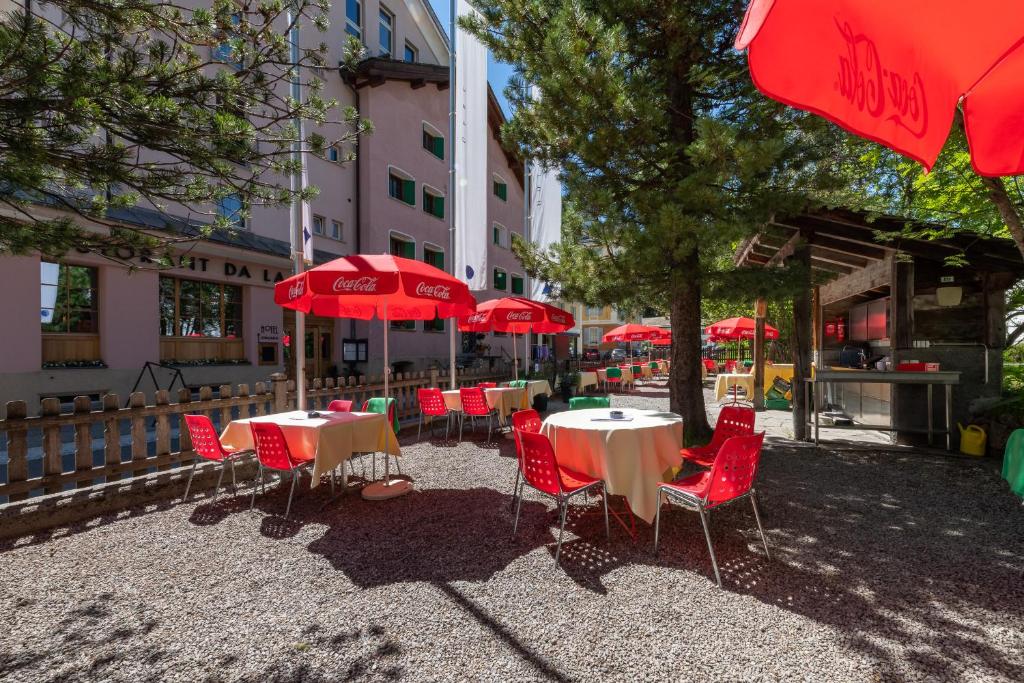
545,213
470,149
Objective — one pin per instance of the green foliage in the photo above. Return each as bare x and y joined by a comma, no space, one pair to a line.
126,103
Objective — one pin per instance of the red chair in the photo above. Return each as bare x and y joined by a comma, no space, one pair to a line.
612,376
711,366
340,406
488,385
732,421
474,404
729,479
273,454
541,472
432,404
523,421
207,445
730,366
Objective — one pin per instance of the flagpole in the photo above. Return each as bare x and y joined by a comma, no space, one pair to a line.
295,215
453,9
527,208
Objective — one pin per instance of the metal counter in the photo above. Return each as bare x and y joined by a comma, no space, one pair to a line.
930,379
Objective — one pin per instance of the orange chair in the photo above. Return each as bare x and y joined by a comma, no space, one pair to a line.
729,479
207,445
340,406
542,473
732,421
432,404
273,454
488,385
523,421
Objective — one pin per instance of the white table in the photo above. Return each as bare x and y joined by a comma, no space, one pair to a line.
632,456
502,399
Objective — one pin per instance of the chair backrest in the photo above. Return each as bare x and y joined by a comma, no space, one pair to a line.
431,401
376,405
487,385
271,447
735,468
638,369
339,405
474,402
710,365
733,421
538,463
653,365
584,402
613,373
524,421
730,366
205,441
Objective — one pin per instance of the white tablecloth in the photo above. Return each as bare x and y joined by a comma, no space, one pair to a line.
330,439
723,383
587,379
502,399
633,457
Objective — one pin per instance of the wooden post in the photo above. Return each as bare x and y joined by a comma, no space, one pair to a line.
184,438
280,389
111,430
137,401
52,466
17,446
433,377
901,314
83,440
801,342
760,311
163,427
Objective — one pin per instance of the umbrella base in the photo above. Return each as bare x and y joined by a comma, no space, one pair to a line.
381,490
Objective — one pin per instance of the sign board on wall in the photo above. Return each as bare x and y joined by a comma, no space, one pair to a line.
268,334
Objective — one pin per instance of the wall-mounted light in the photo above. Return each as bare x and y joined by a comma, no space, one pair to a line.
949,294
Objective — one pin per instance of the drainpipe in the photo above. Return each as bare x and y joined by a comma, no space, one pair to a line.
358,194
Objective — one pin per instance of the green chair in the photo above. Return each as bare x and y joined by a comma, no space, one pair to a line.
638,373
1013,462
517,384
585,402
612,376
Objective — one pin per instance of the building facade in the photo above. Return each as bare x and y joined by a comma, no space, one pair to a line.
86,326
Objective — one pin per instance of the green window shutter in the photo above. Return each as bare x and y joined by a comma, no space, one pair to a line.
439,148
501,189
439,207
495,236
409,249
409,192
439,260
517,285
500,280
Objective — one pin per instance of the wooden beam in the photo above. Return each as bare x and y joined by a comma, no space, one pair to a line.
760,311
832,256
858,249
417,84
787,250
901,290
875,275
830,267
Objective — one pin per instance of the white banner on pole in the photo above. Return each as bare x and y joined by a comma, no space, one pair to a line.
307,219
545,213
470,148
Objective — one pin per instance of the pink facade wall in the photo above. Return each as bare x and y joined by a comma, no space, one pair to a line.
21,348
129,317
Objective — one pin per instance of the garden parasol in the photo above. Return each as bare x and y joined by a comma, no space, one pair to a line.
894,71
519,316
382,286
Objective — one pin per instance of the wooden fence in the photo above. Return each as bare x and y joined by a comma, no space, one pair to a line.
87,447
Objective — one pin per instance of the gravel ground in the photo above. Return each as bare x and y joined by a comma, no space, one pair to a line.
886,566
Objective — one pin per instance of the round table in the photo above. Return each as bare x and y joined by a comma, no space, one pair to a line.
632,456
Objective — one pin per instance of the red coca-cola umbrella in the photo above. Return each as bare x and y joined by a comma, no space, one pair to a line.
631,332
894,71
519,316
382,286
734,329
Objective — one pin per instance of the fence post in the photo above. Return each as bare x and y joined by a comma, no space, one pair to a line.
111,430
280,382
17,447
184,438
83,441
137,401
163,427
224,393
52,466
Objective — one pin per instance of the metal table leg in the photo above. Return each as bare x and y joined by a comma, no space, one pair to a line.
930,418
816,396
949,417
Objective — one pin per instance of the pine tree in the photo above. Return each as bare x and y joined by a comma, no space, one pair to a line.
668,154
110,104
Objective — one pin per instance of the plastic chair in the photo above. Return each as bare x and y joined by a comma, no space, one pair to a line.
712,366
732,421
207,445
728,480
376,405
340,406
542,472
432,404
523,421
730,366
612,376
474,404
487,385
585,402
273,454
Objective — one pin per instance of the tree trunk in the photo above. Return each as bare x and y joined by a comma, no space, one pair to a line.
1007,211
686,389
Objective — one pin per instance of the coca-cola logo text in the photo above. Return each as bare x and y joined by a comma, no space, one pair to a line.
524,316
443,292
865,82
296,290
365,285
478,318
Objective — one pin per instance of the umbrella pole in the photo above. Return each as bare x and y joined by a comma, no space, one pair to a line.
515,357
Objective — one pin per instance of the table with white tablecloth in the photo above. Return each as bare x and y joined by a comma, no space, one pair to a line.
535,387
632,456
724,382
502,399
587,379
330,439
627,375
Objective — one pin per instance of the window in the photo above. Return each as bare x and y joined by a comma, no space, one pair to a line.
433,203
318,225
337,231
500,279
333,154
435,257
192,308
500,189
518,285
223,51
354,18
594,312
406,247
433,142
411,53
401,187
387,32
499,235
69,299
230,207
592,335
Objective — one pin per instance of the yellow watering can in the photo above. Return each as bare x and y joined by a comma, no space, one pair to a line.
972,440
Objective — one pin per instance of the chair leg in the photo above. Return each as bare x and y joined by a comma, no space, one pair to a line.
195,463
515,489
256,484
490,421
419,430
234,479
707,535
216,491
563,508
657,523
295,480
462,423
757,516
519,505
